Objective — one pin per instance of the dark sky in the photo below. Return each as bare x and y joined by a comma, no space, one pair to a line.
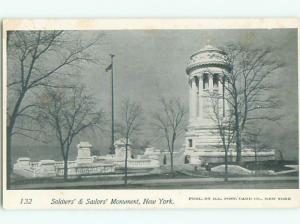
153,62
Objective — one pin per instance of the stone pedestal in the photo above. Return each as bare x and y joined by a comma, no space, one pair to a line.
120,149
46,168
23,162
84,153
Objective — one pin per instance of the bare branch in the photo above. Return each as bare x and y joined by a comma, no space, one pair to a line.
247,86
170,123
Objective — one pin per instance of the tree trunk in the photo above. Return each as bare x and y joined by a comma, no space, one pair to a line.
238,137
226,166
9,165
172,165
66,157
66,168
237,126
238,147
126,158
10,128
256,165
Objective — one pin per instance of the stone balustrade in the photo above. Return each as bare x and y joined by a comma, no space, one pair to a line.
87,170
138,163
50,168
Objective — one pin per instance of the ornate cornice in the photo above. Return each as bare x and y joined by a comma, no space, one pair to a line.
198,65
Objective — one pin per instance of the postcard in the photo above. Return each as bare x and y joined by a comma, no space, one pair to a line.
150,113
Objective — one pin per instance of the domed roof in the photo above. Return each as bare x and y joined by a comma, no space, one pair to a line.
208,48
207,56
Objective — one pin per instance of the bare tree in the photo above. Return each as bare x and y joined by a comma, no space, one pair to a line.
225,125
253,138
248,87
129,124
170,123
68,113
37,59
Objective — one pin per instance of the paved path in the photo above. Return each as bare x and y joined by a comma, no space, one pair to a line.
163,183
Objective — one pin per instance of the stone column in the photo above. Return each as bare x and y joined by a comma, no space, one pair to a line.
210,89
226,86
194,97
197,96
200,95
190,99
210,83
220,92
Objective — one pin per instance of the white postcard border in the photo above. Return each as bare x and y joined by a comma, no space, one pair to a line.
42,199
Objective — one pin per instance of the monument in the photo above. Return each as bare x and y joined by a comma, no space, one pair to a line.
206,70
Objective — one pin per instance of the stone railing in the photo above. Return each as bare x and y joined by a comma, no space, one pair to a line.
86,170
25,172
61,163
34,165
52,168
138,163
